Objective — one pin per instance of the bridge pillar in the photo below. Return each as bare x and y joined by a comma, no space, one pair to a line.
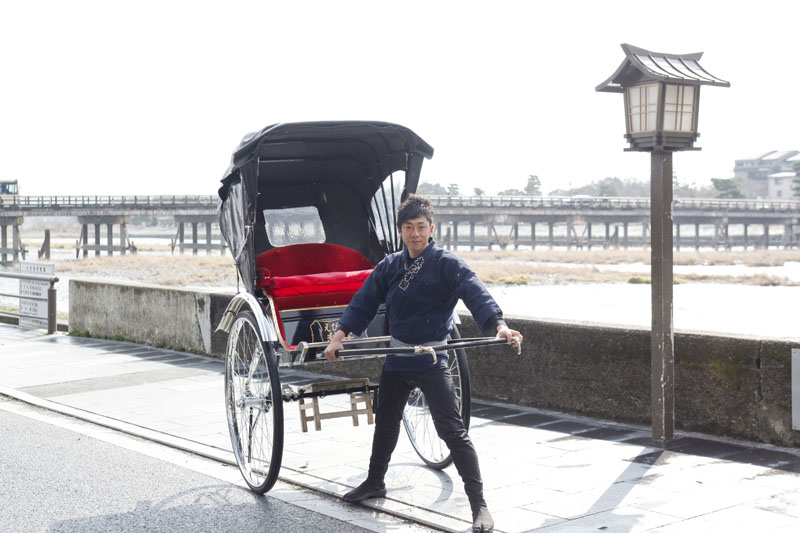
589,235
716,235
625,235
645,229
570,232
550,235
83,247
789,239
97,239
179,240
471,235
516,235
455,235
721,234
533,235
123,237
110,231
727,234
745,236
697,236
17,248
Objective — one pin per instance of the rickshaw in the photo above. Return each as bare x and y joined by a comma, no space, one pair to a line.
308,210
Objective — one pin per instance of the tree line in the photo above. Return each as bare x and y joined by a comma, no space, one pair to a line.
719,188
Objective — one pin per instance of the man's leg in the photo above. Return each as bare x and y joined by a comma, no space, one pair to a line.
437,384
392,397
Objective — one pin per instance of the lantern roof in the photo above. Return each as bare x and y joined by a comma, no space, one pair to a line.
641,66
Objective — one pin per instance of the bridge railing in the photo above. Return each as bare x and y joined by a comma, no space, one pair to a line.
110,201
579,202
594,202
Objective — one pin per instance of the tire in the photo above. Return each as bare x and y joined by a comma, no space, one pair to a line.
417,417
254,404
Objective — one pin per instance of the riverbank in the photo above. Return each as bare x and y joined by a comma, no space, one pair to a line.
537,267
763,268
727,292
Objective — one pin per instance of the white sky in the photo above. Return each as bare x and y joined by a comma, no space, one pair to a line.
151,97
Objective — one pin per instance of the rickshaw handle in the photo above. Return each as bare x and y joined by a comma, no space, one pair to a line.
450,345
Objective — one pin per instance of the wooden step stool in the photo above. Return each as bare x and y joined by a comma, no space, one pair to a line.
328,386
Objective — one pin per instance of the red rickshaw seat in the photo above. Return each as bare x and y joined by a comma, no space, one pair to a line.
311,275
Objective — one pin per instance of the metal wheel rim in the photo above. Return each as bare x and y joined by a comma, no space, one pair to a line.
249,406
419,422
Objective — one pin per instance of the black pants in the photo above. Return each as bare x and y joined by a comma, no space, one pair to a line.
437,385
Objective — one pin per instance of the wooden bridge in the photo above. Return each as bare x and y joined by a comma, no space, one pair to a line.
473,221
612,222
109,211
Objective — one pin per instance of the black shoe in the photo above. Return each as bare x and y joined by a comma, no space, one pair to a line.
365,491
482,520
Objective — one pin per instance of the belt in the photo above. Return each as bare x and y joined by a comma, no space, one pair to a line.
423,348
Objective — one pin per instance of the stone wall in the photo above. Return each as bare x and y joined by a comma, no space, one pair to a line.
727,385
160,316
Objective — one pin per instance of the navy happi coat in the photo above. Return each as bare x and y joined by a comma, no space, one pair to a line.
420,296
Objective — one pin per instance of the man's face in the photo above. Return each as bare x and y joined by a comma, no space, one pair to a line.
415,234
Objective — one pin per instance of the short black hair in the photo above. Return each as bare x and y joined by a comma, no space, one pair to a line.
413,207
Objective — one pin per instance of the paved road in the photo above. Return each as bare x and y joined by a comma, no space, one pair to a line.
61,480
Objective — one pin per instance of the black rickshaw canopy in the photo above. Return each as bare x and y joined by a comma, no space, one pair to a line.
345,170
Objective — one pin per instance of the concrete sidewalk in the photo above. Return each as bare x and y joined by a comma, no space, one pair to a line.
542,470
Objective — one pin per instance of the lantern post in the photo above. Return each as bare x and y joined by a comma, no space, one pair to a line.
661,94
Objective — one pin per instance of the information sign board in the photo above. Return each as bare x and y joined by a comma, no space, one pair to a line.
30,289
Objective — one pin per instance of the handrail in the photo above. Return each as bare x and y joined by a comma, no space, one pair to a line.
51,297
437,200
108,201
580,201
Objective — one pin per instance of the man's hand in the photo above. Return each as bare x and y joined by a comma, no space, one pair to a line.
513,336
334,346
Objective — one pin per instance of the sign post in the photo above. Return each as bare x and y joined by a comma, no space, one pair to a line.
35,305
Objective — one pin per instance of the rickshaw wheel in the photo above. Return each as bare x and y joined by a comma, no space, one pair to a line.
417,417
254,404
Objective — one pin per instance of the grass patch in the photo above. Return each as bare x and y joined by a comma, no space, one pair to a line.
507,267
614,257
646,281
514,280
169,270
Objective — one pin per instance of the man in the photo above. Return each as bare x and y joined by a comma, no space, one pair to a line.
420,287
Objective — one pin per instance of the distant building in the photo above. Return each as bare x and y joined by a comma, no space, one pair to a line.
769,175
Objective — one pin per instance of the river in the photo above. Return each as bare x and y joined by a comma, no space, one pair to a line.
712,307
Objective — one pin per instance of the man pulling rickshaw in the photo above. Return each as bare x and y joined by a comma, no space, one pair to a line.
310,213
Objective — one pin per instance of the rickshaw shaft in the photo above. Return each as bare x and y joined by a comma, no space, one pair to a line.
457,343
